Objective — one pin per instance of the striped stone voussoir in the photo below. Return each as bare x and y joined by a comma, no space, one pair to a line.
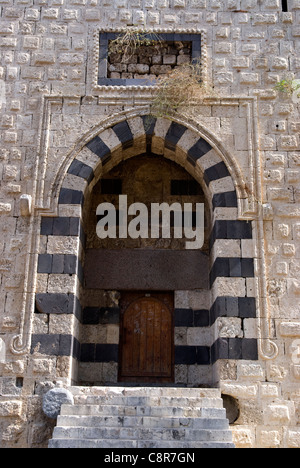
138,135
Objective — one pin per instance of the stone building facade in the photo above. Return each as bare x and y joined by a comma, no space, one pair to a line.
75,132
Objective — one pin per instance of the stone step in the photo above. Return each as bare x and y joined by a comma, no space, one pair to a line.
86,444
141,433
143,417
146,391
129,444
189,445
140,421
119,410
161,401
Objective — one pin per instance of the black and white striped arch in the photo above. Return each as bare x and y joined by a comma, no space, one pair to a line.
232,264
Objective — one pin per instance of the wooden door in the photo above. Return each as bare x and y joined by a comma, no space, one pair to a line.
147,338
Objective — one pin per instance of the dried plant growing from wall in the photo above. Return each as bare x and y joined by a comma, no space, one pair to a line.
180,90
129,42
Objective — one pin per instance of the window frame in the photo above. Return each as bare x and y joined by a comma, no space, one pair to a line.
104,39
102,84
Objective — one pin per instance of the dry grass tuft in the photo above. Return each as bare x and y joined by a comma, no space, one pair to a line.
179,90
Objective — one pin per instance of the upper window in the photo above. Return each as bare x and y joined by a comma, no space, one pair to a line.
138,59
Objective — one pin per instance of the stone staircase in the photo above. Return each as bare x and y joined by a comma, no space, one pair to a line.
143,417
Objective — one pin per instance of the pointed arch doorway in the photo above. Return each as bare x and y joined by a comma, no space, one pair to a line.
202,312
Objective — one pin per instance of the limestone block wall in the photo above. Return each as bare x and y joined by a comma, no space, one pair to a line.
52,105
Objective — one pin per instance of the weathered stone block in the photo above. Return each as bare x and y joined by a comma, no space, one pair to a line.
293,438
277,414
243,437
240,390
54,399
5,208
10,408
270,439
264,18
43,366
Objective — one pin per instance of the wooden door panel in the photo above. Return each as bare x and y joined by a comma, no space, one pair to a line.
147,337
